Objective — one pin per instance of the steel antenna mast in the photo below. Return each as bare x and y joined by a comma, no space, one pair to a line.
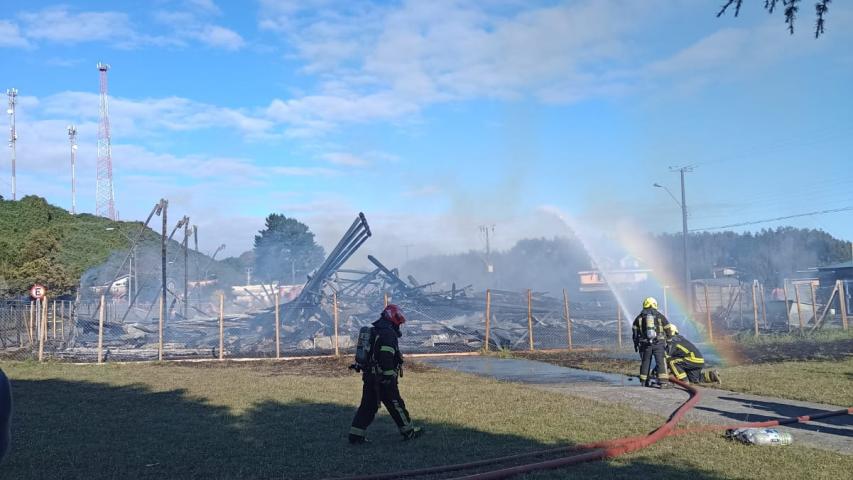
12,93
72,140
104,195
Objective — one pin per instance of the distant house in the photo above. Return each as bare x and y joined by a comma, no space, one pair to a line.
721,272
626,275
829,274
118,289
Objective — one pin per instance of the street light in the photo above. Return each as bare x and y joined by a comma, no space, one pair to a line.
683,205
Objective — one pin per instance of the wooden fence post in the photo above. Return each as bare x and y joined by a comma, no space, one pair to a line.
101,313
42,327
799,308
814,302
277,325
222,326
43,319
162,321
568,318
618,324
754,308
488,317
842,302
54,319
708,322
787,307
530,318
32,319
335,311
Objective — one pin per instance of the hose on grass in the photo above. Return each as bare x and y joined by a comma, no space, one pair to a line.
593,451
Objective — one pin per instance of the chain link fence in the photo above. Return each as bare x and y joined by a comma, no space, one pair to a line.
229,327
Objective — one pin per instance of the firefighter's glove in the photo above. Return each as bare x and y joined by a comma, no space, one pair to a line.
400,371
636,346
355,367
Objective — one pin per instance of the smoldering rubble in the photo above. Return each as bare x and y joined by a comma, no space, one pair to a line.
338,300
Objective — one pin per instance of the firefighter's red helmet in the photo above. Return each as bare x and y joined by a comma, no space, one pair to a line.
393,314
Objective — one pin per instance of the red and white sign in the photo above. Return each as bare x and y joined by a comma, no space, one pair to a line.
38,291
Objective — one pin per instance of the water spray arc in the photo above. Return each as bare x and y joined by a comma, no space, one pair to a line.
12,93
105,195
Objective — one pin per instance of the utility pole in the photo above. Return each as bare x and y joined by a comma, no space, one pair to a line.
249,276
163,241
72,140
407,251
186,265
12,93
687,293
485,230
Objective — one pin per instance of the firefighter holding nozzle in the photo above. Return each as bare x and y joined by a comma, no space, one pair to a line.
380,362
650,332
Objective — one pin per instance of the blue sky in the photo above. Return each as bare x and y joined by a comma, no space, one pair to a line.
436,117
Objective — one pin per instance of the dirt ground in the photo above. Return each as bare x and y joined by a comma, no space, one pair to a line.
326,367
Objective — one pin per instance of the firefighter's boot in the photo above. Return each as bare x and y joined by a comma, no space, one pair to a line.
413,433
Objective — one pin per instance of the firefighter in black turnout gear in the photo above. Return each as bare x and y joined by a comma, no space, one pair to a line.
380,369
685,361
650,332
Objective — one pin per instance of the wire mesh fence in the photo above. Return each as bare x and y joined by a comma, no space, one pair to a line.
222,327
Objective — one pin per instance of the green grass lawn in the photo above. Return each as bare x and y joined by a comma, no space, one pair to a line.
290,420
817,368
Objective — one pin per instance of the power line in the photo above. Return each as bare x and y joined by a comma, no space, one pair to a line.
755,222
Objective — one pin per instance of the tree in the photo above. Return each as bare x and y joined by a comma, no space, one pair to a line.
285,251
790,7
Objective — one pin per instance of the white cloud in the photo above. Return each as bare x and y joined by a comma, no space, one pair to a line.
153,115
10,35
204,6
194,24
220,37
387,62
59,24
345,159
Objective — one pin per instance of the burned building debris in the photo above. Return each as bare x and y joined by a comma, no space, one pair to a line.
333,300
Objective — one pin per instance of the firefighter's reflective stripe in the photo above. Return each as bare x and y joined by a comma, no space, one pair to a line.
673,365
357,431
386,348
389,372
689,355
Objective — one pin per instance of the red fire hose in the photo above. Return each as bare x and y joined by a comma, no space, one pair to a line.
593,451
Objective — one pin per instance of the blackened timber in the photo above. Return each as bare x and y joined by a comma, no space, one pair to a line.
395,280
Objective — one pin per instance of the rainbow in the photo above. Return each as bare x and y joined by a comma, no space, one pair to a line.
626,242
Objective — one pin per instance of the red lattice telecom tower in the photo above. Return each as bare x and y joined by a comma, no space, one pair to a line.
104,194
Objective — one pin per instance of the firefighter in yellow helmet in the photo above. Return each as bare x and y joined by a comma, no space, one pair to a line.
685,361
650,332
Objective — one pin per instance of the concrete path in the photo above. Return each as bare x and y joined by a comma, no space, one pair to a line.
716,406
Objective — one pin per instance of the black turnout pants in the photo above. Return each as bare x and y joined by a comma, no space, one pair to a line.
656,350
680,367
373,392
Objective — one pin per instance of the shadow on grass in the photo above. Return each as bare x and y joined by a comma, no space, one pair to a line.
70,430
781,410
